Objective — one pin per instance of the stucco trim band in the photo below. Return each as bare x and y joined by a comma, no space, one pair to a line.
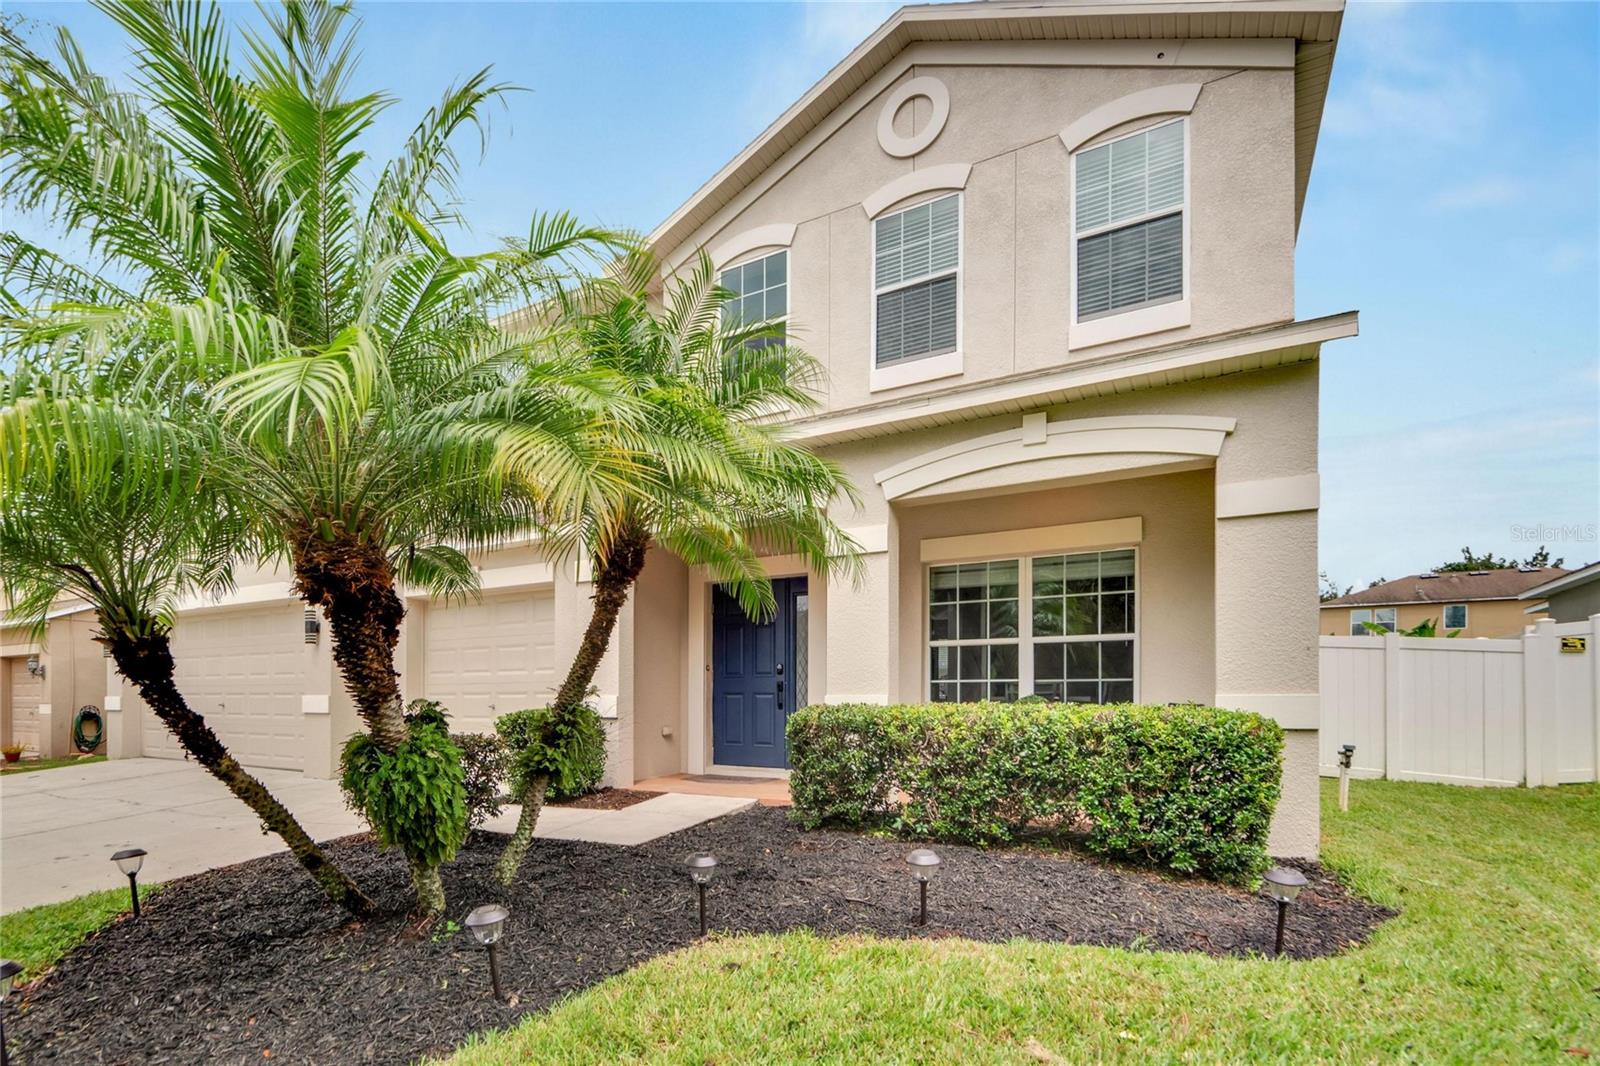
1292,710
945,177
1273,495
1157,100
775,235
1110,532
872,540
1009,452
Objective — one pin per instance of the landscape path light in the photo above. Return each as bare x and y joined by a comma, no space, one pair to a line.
702,867
924,863
129,860
1282,885
8,974
487,924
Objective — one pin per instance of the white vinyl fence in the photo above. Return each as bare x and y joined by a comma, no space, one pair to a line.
1525,710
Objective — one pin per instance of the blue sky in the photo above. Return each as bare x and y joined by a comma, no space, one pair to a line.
1455,203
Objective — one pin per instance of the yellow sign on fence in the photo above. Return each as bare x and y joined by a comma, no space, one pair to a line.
1574,645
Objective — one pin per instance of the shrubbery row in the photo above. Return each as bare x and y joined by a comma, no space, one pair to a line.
1190,788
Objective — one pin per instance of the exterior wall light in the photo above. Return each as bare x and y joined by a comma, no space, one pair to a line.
1347,755
35,667
8,974
924,865
313,625
487,924
702,868
129,860
1282,885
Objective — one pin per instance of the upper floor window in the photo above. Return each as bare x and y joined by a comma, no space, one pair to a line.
916,278
1128,222
760,290
1455,616
1383,617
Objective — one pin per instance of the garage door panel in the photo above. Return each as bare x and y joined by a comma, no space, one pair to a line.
27,691
487,658
244,671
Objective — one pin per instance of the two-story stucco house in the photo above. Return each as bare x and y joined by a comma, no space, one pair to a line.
1046,254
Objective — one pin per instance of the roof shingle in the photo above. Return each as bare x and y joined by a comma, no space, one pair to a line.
1455,586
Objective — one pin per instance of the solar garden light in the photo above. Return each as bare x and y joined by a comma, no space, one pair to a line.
924,865
1347,755
487,925
1282,884
129,860
702,867
8,974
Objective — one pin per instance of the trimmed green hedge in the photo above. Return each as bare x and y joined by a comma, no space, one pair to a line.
1190,788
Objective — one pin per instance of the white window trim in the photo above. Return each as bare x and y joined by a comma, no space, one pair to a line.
1024,637
764,252
1139,321
932,367
1372,613
1465,615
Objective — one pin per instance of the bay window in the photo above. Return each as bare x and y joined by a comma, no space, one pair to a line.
1058,626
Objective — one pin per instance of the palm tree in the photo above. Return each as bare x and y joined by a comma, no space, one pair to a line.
102,501
368,390
717,484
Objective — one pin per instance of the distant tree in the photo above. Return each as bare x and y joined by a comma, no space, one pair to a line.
1329,589
1490,561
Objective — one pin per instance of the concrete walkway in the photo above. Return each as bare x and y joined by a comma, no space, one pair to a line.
59,827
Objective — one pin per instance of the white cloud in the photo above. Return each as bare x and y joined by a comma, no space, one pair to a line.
1491,190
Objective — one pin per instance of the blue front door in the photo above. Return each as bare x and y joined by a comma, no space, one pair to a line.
753,683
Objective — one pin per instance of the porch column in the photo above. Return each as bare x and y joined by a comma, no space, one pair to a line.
1266,630
863,621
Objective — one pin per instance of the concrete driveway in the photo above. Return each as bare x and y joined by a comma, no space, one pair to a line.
59,827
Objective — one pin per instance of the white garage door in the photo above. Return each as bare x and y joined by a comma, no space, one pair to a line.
485,659
26,691
244,670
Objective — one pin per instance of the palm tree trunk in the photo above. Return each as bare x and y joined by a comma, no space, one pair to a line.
516,848
613,580
146,661
429,887
352,580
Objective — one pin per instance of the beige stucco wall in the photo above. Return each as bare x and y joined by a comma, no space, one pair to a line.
654,659
1485,618
75,676
1004,121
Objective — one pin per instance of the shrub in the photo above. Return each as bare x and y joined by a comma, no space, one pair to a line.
483,761
1187,787
574,760
415,798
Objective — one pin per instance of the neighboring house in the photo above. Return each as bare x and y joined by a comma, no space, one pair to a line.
45,681
1046,253
1567,597
1479,603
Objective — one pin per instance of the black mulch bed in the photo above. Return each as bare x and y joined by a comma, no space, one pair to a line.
231,964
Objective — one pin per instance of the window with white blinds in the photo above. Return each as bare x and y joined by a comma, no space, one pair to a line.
916,279
1128,205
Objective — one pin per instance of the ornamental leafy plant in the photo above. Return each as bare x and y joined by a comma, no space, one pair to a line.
415,798
549,755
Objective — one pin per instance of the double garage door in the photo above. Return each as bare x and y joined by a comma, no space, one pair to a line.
244,670
486,658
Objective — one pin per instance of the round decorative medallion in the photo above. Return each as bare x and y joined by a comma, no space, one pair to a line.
937,95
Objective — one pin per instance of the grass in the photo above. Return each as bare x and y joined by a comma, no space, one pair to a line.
1495,957
27,766
38,936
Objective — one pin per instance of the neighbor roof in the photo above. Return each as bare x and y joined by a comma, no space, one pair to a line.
1564,580
1455,586
1312,23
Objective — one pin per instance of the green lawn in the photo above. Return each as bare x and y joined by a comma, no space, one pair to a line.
26,766
38,936
1494,958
